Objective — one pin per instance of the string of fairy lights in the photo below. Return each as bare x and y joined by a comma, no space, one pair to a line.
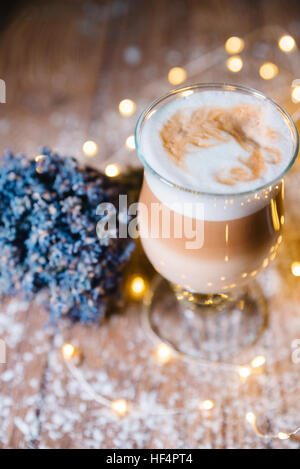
162,352
176,76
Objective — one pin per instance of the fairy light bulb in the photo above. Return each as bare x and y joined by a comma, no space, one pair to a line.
295,268
68,351
163,353
283,436
206,405
90,148
268,71
127,107
296,94
251,418
120,407
112,170
244,372
286,43
130,142
234,63
177,75
138,286
258,361
39,158
234,45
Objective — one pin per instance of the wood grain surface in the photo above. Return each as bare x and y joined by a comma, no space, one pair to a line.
66,65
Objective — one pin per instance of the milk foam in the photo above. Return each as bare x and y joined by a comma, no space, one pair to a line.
202,164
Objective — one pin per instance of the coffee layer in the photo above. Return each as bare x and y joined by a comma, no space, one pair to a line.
232,250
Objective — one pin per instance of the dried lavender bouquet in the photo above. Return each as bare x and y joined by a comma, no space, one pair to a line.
48,236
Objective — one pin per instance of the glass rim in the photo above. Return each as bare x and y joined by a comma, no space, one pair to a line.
218,86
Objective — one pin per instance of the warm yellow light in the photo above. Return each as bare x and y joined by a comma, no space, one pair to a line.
177,75
295,268
163,353
120,407
275,216
283,436
234,63
112,170
244,371
39,157
206,405
251,418
130,142
296,94
259,361
127,107
138,286
272,256
265,263
234,45
68,351
268,70
287,43
90,148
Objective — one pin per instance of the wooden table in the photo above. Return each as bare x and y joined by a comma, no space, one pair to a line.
67,64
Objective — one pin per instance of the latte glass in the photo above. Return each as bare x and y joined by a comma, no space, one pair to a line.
209,248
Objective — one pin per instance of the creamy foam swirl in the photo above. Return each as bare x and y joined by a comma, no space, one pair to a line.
207,127
218,141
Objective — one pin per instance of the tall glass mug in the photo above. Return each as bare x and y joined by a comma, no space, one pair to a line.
209,247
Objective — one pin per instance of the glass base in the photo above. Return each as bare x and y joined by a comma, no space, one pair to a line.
211,328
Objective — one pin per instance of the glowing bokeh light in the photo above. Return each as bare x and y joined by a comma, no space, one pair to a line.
120,407
283,436
138,286
295,268
244,372
286,43
258,361
177,75
251,418
234,63
163,353
90,148
130,142
234,45
68,351
112,170
206,405
296,94
127,107
268,71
